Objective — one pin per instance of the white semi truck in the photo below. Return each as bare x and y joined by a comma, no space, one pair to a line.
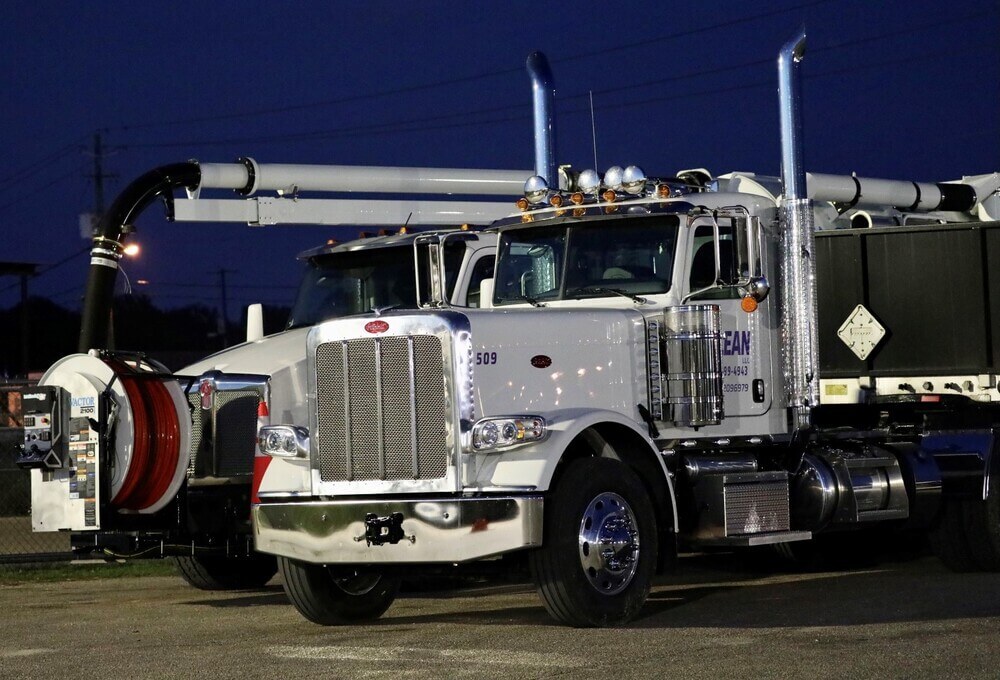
632,386
138,461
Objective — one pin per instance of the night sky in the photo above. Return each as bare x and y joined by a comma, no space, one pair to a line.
903,89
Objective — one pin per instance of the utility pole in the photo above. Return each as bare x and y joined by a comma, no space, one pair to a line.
99,176
224,316
95,217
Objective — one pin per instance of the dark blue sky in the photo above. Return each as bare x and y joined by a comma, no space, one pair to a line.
906,89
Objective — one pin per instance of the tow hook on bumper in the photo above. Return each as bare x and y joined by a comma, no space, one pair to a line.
382,530
425,530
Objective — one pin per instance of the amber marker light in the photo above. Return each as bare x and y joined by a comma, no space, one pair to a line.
663,191
609,195
556,200
403,230
522,203
749,304
576,198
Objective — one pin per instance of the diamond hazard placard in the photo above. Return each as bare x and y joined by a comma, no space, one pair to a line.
861,332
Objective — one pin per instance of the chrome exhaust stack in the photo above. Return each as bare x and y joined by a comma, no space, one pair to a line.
800,363
543,95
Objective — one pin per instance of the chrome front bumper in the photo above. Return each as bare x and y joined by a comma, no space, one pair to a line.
398,531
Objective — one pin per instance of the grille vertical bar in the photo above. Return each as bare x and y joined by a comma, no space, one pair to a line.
381,409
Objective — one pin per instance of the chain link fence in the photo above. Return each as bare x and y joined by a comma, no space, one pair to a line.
17,542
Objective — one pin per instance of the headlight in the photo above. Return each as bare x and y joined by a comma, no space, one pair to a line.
501,433
284,441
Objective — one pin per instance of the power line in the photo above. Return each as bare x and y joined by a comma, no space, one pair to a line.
469,78
405,126
23,197
37,165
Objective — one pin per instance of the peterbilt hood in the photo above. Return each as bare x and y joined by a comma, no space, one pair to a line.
282,357
264,357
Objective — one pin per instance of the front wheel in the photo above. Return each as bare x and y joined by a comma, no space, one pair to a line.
331,599
599,549
219,572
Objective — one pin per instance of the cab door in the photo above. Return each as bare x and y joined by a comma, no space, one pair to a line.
718,258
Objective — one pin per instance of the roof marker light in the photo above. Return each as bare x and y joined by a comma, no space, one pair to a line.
613,177
589,182
535,189
633,179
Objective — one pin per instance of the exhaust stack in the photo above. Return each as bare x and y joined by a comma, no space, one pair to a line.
798,244
542,95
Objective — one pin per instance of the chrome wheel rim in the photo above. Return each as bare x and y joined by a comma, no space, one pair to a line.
609,543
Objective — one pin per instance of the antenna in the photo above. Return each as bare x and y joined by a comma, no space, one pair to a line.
593,128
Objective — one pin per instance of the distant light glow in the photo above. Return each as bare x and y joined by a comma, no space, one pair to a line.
131,250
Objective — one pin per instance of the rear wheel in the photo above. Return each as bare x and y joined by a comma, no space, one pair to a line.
967,537
215,572
331,599
599,552
950,538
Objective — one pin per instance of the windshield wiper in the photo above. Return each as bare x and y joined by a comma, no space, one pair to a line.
598,290
527,298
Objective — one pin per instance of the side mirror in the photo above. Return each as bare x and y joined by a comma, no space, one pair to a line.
486,294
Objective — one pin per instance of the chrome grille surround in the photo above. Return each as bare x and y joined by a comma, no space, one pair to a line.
391,410
224,437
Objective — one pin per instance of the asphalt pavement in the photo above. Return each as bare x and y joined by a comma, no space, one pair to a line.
714,618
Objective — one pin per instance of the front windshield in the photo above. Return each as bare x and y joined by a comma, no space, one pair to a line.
358,281
574,260
354,282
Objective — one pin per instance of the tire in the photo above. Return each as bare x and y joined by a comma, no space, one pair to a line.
597,500
329,601
982,521
950,538
212,572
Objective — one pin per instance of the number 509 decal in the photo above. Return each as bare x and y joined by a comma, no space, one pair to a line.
486,358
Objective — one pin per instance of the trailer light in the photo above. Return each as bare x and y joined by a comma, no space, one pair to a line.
284,441
491,434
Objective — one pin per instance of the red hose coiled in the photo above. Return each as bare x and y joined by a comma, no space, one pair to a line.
156,439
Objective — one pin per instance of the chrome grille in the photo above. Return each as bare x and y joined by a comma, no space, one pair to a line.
381,409
223,440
